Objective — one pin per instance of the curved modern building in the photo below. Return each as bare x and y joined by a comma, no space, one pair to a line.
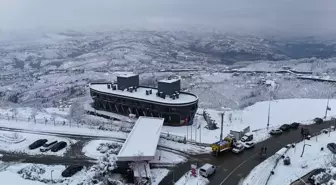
127,97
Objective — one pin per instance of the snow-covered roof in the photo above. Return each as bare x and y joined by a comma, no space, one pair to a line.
172,80
142,141
126,75
141,94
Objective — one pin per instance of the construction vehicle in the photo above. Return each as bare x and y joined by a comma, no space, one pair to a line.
226,144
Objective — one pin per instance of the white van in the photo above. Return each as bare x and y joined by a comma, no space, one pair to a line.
207,170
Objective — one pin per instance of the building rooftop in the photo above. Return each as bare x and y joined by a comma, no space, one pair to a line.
142,141
125,75
141,94
172,80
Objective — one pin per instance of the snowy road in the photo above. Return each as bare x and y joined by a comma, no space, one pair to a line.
231,167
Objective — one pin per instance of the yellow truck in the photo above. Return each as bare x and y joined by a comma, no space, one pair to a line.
225,144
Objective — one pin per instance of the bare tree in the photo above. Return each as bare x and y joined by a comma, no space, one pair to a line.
33,115
53,119
76,112
15,113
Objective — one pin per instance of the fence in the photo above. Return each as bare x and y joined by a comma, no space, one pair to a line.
97,124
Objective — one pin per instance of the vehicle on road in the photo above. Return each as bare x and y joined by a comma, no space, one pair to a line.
249,144
227,143
207,170
37,144
58,146
46,147
332,147
324,131
295,125
275,132
313,173
238,148
71,170
318,120
285,127
247,137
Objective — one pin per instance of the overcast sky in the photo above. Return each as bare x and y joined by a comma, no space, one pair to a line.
303,17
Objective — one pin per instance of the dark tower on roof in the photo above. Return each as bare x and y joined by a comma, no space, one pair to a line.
125,81
169,86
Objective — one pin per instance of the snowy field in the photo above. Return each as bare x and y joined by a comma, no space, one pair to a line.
282,112
19,142
312,158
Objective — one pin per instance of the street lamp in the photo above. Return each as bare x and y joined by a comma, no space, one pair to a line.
223,114
51,174
304,146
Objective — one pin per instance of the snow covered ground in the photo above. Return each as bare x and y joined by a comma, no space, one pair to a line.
282,112
312,158
95,149
32,174
19,142
187,179
158,174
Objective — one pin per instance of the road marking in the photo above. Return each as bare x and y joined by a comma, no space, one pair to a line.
241,164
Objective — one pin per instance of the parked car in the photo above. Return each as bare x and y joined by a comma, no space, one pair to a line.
58,146
238,148
295,125
332,147
325,131
46,147
207,170
285,127
318,120
37,144
313,173
50,143
249,144
247,137
275,132
71,170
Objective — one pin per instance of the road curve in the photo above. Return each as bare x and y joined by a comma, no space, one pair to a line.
231,168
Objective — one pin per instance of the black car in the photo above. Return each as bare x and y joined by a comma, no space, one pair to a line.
332,147
318,120
295,125
285,127
313,173
71,170
37,144
58,146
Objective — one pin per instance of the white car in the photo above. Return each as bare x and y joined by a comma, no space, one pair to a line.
238,148
207,170
249,145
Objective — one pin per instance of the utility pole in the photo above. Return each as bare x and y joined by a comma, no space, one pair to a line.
269,111
191,132
200,134
222,122
196,131
327,108
187,132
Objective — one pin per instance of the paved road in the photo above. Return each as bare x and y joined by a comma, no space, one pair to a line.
231,167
